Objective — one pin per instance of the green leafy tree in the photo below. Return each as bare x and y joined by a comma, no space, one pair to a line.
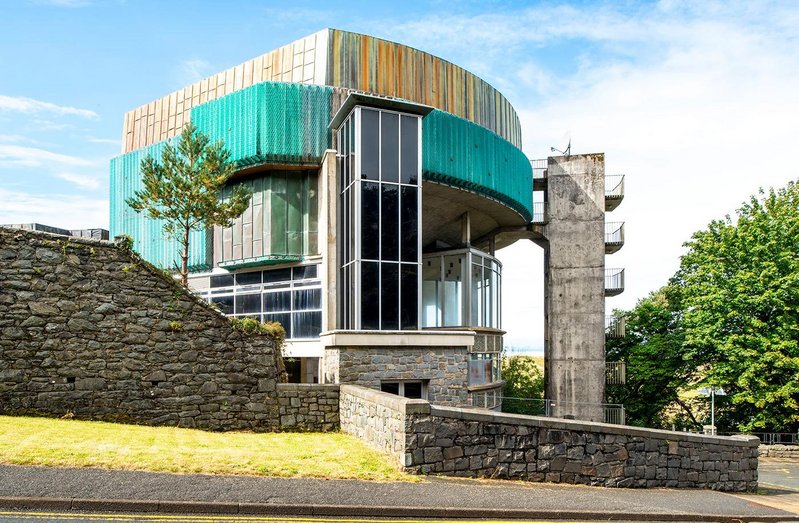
524,385
183,189
739,290
656,366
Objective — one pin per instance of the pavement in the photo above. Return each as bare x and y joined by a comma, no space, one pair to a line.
66,489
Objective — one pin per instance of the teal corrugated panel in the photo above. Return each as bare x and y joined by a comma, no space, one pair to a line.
149,238
270,122
461,153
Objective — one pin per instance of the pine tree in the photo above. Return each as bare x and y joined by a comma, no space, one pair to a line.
183,189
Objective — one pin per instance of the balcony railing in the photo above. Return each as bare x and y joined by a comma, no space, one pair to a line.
540,215
614,191
615,372
539,169
614,232
613,412
614,282
615,326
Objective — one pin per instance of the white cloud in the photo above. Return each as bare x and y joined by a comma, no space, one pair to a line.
23,104
111,141
194,70
81,180
57,210
20,156
695,102
16,138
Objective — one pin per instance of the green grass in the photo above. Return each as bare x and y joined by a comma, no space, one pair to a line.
71,443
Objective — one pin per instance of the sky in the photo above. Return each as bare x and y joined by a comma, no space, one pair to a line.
697,103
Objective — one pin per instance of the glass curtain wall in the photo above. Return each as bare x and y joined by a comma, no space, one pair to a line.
461,288
291,296
379,181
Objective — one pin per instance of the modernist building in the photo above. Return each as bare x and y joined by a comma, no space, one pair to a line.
383,181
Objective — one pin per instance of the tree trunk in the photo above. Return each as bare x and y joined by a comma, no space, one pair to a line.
184,257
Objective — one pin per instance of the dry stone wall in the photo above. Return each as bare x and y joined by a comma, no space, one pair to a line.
427,439
308,407
91,330
780,451
444,369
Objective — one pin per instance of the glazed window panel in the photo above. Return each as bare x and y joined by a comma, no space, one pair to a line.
370,221
370,295
277,301
370,144
225,303
389,296
291,296
379,223
466,294
389,225
409,219
409,145
409,297
248,303
389,147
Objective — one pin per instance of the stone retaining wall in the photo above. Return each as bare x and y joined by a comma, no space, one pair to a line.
89,329
452,441
308,407
780,451
378,418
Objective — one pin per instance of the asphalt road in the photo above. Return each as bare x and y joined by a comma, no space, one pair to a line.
778,472
544,500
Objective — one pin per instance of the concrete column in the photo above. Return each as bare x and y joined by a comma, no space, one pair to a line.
328,189
574,281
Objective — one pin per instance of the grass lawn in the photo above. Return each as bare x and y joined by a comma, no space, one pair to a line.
71,443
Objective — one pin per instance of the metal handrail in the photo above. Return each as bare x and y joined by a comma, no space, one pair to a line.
615,372
540,215
615,326
539,169
614,233
614,279
613,412
614,186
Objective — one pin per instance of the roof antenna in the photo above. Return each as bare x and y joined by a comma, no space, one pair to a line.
567,152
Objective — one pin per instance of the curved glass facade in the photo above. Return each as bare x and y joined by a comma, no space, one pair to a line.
461,288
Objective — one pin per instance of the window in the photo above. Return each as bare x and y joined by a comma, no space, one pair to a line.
291,296
415,389
379,227
484,368
461,288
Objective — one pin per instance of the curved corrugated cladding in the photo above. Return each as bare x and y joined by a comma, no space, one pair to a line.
270,123
465,155
149,238
374,65
275,123
340,59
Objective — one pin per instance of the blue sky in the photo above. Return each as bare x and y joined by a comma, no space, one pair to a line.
697,102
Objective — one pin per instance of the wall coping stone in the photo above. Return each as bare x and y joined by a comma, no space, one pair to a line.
472,414
397,403
352,338
307,386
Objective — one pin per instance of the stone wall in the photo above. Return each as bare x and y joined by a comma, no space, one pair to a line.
445,369
780,451
91,330
452,441
308,407
378,418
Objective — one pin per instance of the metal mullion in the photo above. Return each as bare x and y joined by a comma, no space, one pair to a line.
419,223
441,290
380,220
355,212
